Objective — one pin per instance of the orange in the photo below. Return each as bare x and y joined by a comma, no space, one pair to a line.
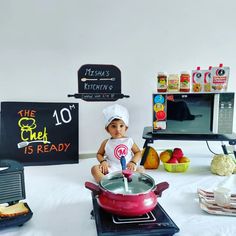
152,160
184,160
165,156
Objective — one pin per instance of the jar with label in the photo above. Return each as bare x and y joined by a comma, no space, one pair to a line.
184,82
161,82
173,83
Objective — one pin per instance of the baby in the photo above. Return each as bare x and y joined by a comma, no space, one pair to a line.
118,145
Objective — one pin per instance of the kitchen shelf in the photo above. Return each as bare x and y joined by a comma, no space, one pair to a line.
150,137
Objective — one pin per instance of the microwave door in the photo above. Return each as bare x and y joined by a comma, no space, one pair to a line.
223,113
216,110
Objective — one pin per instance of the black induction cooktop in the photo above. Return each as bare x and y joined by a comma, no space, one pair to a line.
157,222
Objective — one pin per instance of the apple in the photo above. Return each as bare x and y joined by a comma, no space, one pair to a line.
173,160
177,153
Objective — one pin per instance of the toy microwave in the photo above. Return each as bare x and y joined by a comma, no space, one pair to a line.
193,113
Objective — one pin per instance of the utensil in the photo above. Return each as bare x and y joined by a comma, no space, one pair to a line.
97,79
123,167
86,79
111,79
26,143
140,199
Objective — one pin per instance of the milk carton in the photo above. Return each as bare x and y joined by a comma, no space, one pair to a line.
219,78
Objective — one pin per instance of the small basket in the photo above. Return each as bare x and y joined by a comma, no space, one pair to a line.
178,167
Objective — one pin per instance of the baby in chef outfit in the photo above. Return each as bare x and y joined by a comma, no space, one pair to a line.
118,145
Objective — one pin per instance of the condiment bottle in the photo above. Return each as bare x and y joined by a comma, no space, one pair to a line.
161,82
173,83
184,81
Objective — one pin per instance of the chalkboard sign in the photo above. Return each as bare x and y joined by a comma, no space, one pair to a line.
99,83
39,133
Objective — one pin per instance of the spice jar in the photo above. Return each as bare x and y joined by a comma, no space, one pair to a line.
184,81
161,82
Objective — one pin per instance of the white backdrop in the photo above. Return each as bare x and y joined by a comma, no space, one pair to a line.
43,44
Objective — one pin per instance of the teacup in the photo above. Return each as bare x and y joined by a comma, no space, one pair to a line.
222,196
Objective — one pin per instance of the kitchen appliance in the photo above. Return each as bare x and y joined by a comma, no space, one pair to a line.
156,222
139,198
193,113
12,190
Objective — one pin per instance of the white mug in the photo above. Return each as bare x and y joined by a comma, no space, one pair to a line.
222,196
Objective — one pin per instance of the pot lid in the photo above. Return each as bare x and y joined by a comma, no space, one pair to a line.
115,182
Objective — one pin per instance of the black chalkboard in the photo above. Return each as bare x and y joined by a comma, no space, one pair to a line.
99,83
36,133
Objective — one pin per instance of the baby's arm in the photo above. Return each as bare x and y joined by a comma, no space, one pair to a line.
136,157
101,159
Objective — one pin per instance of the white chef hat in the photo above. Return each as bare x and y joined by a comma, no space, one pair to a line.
116,112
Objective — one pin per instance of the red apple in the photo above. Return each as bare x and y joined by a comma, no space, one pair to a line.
173,160
177,153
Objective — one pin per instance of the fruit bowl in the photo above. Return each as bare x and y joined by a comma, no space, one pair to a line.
176,167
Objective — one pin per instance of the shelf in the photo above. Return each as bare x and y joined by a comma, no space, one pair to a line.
162,135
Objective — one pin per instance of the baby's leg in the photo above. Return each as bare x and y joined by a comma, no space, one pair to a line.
97,173
140,169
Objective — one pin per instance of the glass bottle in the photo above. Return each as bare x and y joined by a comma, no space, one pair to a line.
184,81
161,82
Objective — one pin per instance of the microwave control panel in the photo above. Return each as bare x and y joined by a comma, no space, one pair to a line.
226,110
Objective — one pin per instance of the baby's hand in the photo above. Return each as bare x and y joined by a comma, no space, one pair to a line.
104,167
131,166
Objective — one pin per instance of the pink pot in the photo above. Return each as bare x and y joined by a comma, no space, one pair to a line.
140,198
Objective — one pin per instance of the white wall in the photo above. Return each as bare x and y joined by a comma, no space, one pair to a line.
43,44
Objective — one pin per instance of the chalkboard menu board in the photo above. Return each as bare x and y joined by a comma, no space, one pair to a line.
99,83
39,133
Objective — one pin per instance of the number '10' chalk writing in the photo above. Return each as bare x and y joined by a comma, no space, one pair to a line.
65,115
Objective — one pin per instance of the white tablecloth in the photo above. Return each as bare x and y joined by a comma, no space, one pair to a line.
62,205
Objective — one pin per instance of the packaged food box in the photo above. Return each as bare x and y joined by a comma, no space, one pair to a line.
207,79
197,80
219,78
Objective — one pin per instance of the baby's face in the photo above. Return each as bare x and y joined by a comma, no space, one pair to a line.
117,128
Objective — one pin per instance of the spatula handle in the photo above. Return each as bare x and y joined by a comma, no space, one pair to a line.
123,162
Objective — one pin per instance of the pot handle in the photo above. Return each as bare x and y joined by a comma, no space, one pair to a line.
160,188
93,187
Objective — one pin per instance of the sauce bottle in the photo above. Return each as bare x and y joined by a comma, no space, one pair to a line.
173,83
184,81
161,82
